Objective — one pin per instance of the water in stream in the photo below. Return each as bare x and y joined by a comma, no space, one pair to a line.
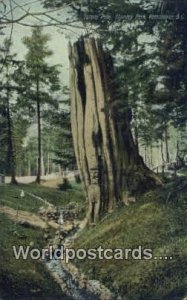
73,290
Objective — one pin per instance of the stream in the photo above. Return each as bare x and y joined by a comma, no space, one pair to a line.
72,288
73,284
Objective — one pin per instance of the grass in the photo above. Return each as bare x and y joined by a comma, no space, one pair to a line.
28,279
10,196
23,279
156,222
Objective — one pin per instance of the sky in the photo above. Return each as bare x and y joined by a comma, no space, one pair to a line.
59,37
58,43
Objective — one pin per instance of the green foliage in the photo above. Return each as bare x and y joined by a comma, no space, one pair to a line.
12,130
66,185
78,179
36,68
23,279
38,50
10,196
62,146
39,86
150,61
154,224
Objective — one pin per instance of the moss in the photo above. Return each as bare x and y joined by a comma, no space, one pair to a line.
23,279
153,223
28,279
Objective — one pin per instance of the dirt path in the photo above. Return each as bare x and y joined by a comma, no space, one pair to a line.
25,217
69,277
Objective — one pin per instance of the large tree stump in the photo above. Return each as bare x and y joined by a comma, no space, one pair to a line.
108,160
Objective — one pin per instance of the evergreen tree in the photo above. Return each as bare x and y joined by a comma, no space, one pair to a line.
39,81
152,74
8,94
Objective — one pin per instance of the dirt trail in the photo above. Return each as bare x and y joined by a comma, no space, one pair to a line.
25,217
69,277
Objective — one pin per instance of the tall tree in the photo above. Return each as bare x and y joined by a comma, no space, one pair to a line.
42,81
63,150
8,89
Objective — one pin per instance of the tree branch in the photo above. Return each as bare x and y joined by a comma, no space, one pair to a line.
20,6
55,22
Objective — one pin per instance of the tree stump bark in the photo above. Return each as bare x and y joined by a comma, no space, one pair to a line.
108,160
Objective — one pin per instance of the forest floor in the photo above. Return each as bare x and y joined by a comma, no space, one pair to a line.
10,195
157,221
21,216
21,225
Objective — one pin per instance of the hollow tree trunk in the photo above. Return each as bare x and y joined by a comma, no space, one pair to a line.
107,157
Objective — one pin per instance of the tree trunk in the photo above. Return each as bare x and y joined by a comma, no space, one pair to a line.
11,152
110,166
151,156
43,167
162,152
166,145
29,168
136,133
48,163
38,178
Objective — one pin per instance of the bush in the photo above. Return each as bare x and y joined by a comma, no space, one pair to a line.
66,185
77,178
